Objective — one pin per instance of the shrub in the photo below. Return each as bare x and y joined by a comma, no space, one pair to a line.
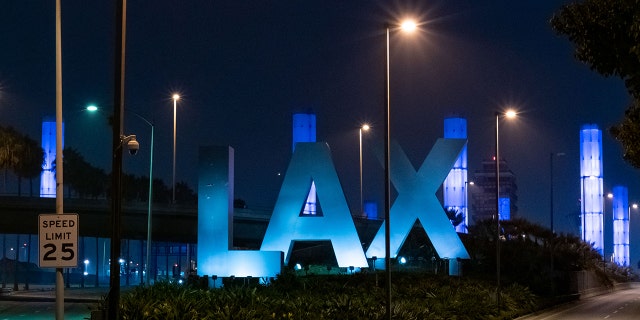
415,296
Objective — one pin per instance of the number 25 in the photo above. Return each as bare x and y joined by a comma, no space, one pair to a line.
67,248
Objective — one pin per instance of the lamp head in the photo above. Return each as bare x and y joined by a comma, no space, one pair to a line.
408,25
510,114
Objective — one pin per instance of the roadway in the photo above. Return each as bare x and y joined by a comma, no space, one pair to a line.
10,310
39,303
620,304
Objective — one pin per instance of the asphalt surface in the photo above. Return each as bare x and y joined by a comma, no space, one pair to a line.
39,303
623,304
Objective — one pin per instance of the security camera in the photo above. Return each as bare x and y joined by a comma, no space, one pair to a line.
133,145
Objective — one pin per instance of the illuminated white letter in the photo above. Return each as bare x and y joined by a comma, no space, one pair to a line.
417,201
215,222
312,162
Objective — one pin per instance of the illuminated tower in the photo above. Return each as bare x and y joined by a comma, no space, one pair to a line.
371,208
304,130
621,226
455,186
591,186
48,175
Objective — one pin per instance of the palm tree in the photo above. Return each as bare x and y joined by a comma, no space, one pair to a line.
455,217
8,155
31,158
82,177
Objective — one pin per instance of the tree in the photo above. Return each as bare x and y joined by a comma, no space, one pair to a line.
31,157
81,176
606,35
184,194
8,155
628,133
20,154
455,217
526,251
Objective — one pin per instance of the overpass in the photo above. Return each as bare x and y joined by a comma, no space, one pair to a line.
170,223
174,234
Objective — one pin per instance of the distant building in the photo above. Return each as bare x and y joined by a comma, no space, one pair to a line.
483,192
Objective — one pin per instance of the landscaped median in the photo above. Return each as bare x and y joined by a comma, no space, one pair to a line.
415,296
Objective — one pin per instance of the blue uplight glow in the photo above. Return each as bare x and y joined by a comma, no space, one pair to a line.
304,130
48,175
417,201
312,162
455,185
591,184
621,225
215,222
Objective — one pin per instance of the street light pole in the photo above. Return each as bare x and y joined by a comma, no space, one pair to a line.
364,127
387,186
59,306
551,156
150,200
175,98
466,204
149,212
498,208
116,173
508,114
408,26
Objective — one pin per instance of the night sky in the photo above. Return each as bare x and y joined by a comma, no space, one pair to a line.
244,67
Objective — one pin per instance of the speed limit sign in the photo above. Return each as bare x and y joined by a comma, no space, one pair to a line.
58,235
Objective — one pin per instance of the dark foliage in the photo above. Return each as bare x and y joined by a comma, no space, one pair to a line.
606,36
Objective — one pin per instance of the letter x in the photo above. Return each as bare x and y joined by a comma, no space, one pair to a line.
417,201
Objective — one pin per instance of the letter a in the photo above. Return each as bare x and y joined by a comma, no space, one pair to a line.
312,162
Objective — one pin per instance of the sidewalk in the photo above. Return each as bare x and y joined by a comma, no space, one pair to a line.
48,294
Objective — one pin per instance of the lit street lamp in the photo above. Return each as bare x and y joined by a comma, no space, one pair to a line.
94,108
85,272
113,298
150,200
467,184
175,98
551,156
508,114
407,26
364,127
